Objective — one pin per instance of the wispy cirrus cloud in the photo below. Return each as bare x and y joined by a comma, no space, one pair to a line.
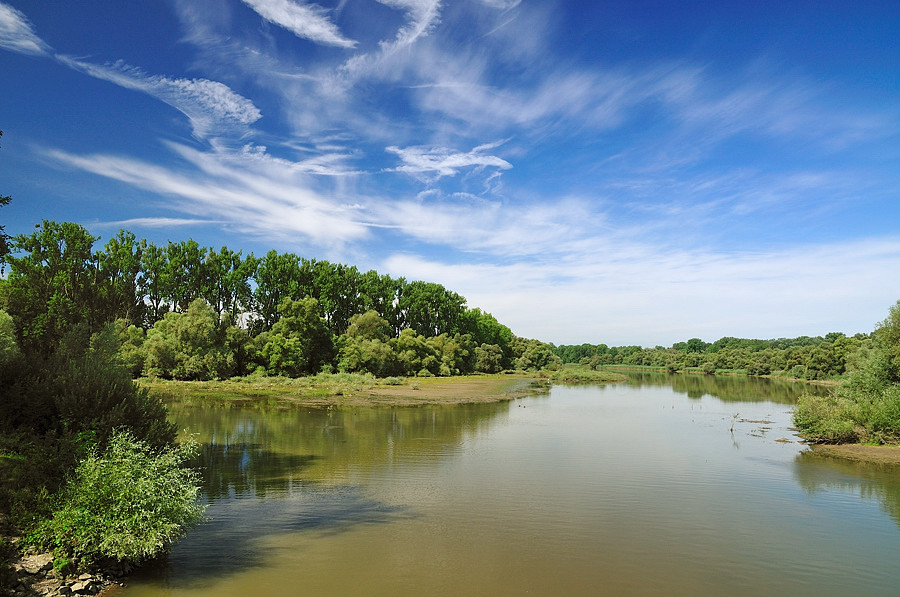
209,105
244,197
308,21
322,164
494,229
502,4
436,162
422,16
158,223
17,35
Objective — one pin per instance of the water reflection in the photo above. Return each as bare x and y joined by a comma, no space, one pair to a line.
631,488
267,448
728,388
818,474
231,470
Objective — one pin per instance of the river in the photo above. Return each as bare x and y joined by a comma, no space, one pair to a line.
663,485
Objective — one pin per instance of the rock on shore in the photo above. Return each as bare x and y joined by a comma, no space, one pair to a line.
33,575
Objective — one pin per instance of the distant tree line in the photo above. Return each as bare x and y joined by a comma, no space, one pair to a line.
189,312
805,357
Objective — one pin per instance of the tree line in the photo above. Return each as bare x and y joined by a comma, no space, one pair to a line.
804,357
185,311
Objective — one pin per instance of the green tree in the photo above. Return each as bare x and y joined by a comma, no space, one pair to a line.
131,346
128,503
9,350
380,293
534,355
52,285
277,277
155,283
363,347
886,339
488,358
189,346
189,273
119,268
430,309
414,355
228,289
457,353
299,343
368,326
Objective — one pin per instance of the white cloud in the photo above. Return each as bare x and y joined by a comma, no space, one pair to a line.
492,229
422,16
323,164
442,161
253,201
502,4
308,21
209,105
17,35
157,223
638,294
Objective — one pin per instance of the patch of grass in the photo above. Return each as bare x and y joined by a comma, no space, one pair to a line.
345,389
585,375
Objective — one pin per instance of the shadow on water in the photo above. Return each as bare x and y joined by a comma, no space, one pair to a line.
817,473
728,388
273,471
228,543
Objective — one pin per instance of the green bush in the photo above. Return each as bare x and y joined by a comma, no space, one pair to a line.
865,407
128,503
826,419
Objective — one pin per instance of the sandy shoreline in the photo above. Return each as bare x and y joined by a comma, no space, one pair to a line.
860,453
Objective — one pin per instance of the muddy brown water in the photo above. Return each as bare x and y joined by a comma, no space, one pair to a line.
663,485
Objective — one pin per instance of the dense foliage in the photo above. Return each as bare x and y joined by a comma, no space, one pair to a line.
865,407
812,358
57,410
182,311
129,502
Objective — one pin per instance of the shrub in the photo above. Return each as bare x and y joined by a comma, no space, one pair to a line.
827,419
129,503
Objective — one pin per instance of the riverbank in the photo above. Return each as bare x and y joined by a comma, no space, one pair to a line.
326,390
889,455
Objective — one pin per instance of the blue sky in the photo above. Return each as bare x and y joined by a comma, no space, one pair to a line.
627,172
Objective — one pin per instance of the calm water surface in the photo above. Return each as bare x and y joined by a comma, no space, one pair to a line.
640,488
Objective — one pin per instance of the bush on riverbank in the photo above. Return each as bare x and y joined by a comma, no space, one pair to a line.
865,407
127,503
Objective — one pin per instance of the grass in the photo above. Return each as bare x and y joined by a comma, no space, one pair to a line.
584,375
350,389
